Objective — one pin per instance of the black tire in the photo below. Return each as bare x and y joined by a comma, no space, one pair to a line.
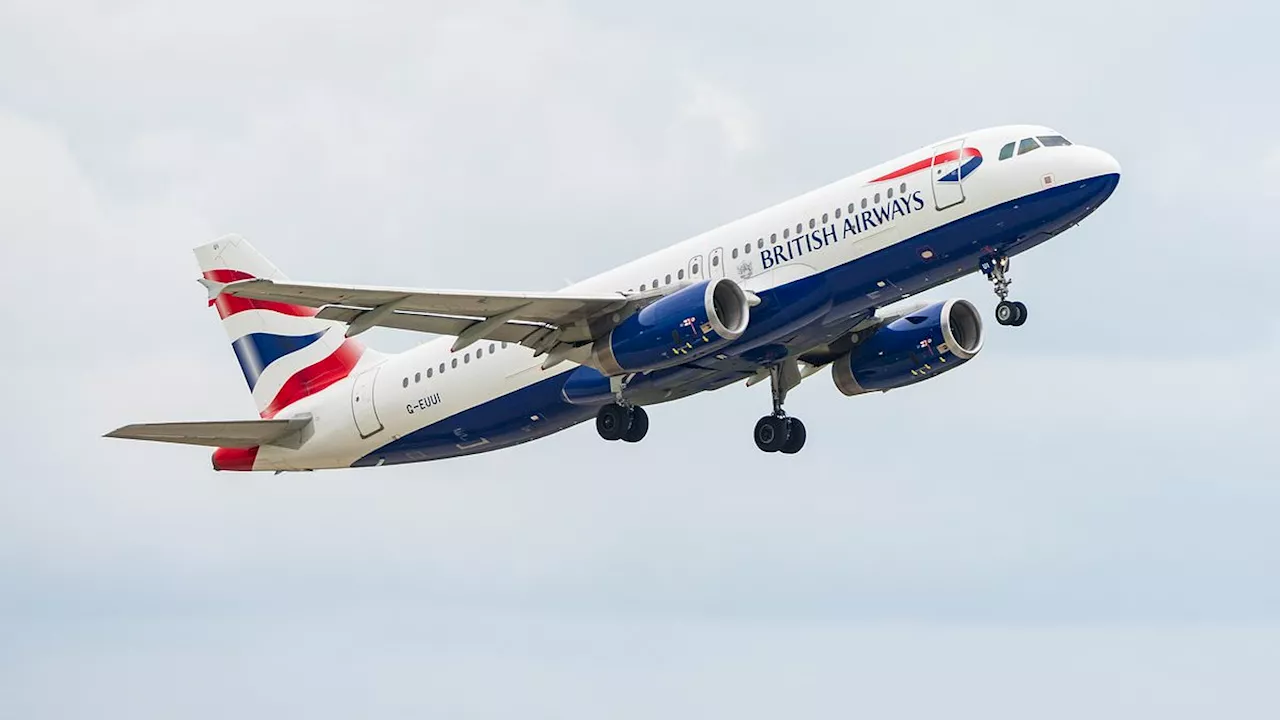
613,421
1022,314
771,433
796,435
1006,312
639,426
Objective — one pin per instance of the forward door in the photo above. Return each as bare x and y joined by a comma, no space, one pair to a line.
948,188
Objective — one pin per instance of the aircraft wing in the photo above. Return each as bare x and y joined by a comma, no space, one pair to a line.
537,320
227,434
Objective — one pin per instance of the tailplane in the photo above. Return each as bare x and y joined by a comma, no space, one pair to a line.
285,352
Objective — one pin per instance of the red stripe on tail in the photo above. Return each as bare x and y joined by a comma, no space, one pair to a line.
229,305
311,380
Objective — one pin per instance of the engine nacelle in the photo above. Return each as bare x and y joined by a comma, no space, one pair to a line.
913,348
683,326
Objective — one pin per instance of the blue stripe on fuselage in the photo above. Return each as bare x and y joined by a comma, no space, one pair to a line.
257,351
844,293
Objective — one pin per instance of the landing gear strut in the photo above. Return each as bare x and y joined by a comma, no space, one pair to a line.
620,420
777,432
1007,312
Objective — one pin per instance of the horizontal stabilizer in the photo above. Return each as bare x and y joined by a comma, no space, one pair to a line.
226,434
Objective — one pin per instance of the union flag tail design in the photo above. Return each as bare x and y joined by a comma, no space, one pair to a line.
285,352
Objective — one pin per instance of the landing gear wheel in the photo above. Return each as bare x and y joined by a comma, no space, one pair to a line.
639,426
1022,314
613,421
771,433
795,437
1007,313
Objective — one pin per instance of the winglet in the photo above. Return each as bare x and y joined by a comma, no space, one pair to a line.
213,286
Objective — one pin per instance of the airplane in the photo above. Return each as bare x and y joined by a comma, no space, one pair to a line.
824,279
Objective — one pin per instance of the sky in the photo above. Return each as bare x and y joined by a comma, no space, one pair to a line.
1080,522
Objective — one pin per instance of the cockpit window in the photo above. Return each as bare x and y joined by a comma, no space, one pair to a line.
1006,152
1053,140
1027,145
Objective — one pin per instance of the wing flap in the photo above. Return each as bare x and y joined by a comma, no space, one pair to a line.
514,332
227,433
552,308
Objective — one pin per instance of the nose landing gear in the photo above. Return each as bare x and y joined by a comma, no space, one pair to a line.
1007,312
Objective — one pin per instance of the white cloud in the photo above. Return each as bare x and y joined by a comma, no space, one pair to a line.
1106,465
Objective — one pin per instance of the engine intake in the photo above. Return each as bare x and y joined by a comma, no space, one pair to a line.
685,325
913,348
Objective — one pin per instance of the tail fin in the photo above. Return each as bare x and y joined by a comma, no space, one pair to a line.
285,352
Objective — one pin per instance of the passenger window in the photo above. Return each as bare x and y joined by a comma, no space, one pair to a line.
695,269
864,203
479,353
852,209
890,194
655,283
715,261
417,377
799,228
466,358
504,346
430,372
1006,152
746,249
735,253
786,233
668,280
877,198
760,242
441,368
1053,141
812,223
492,348
406,382
773,239
642,288
1027,145
837,213
680,275
453,363
902,189
824,218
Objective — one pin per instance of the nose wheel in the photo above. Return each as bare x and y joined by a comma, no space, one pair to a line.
1008,312
777,432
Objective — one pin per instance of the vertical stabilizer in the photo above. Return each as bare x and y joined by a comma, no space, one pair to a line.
284,351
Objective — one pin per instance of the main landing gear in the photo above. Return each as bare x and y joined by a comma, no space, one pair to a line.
1007,312
629,423
777,432
620,420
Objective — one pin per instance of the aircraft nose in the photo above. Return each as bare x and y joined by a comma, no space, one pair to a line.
1100,162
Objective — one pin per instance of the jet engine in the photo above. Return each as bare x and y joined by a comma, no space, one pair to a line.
912,348
685,325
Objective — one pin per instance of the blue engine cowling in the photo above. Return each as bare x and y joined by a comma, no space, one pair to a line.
911,349
683,326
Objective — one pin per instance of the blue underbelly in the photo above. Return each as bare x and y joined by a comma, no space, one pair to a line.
794,317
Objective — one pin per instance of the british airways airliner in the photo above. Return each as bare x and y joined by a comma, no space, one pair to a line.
820,280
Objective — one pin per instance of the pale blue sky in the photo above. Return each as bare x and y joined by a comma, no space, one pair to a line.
1081,522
